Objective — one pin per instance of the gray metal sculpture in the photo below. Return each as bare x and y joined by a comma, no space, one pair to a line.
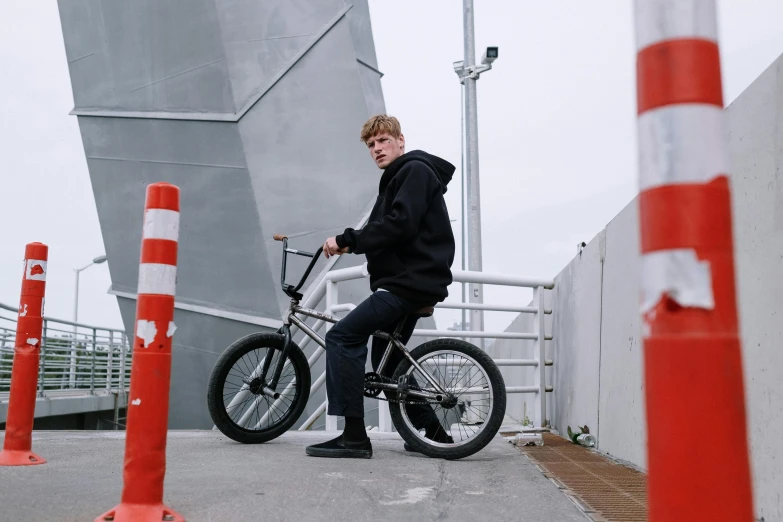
253,108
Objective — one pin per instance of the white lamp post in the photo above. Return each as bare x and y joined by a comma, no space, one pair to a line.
72,376
469,73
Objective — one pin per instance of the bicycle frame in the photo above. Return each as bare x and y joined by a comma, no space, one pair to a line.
292,319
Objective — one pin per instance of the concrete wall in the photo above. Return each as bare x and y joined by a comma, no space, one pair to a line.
755,140
597,342
598,372
621,420
577,339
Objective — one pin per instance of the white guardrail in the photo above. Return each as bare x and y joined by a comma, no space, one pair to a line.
74,357
328,288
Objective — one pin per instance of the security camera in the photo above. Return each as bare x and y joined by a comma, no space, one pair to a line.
459,68
490,55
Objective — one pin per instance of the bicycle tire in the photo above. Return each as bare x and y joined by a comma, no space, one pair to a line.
494,419
215,393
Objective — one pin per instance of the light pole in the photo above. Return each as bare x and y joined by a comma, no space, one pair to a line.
72,375
463,229
469,73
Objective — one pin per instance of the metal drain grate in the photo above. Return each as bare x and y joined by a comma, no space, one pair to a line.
605,490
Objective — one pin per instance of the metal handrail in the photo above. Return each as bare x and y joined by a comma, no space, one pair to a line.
80,357
327,287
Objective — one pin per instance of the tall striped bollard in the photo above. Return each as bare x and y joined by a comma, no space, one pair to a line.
693,364
145,442
17,447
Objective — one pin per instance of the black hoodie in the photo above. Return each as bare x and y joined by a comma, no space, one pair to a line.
408,240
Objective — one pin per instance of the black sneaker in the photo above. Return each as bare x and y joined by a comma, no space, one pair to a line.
339,448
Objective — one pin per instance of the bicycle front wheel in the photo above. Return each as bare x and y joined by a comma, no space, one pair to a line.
465,423
236,401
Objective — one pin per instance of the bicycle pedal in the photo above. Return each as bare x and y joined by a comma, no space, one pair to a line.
402,387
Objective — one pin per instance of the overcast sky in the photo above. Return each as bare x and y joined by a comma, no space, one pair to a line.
557,130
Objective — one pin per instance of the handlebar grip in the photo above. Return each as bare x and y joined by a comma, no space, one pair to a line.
279,237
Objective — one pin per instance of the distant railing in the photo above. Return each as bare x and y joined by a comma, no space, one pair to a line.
74,356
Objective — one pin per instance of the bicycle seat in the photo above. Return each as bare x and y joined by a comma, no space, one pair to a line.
424,312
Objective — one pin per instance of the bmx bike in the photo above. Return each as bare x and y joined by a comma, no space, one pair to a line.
260,385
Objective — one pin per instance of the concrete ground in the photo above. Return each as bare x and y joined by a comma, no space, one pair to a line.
211,478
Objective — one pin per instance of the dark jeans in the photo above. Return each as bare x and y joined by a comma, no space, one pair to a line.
346,355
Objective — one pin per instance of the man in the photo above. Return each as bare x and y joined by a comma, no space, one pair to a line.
409,248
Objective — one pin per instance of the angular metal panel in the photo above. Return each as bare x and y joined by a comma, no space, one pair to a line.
316,122
253,108
146,55
361,29
260,38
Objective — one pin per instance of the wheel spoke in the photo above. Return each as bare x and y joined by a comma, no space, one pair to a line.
256,411
459,374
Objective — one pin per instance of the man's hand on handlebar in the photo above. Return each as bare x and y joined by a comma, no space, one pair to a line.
332,249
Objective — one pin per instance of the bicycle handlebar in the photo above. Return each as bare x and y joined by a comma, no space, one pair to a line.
291,290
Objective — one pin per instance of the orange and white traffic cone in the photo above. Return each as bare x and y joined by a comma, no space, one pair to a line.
145,442
692,358
17,447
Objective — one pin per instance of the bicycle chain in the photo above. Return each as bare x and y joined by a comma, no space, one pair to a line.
369,378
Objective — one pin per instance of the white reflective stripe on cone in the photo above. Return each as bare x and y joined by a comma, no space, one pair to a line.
158,279
681,144
161,224
659,20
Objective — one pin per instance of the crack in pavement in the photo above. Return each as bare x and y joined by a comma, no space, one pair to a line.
443,493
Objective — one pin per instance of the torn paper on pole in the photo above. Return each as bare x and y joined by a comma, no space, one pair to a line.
146,331
680,275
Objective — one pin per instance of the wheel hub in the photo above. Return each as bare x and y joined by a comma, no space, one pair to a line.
256,385
449,401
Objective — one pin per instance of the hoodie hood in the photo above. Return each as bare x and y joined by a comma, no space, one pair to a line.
442,168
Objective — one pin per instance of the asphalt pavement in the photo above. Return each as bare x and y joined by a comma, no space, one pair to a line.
211,478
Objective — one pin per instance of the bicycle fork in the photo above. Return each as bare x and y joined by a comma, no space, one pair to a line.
270,389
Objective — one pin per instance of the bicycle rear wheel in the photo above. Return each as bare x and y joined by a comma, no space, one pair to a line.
473,414
237,405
